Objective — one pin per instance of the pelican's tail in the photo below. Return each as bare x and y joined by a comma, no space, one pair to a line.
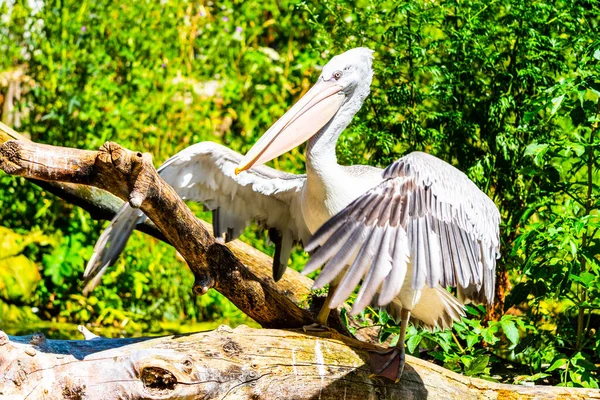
110,244
436,308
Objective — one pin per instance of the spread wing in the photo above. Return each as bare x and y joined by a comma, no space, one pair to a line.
425,212
204,172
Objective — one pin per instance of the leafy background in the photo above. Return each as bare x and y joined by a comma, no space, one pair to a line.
507,90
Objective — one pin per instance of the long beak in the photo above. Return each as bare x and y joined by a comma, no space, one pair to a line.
300,123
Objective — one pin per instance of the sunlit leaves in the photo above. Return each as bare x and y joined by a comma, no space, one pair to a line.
506,90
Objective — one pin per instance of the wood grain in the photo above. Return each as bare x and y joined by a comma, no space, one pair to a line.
227,363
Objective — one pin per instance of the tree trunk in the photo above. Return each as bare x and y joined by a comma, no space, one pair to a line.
227,363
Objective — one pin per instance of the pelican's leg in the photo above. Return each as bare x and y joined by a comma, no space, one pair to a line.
325,310
390,363
321,324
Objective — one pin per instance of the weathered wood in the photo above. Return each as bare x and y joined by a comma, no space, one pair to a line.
99,203
288,297
227,363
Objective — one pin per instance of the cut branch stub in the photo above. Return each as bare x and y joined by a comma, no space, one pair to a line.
10,160
136,168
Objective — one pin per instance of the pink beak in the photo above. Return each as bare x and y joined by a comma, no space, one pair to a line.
311,113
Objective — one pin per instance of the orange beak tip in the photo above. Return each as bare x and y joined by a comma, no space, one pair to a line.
237,171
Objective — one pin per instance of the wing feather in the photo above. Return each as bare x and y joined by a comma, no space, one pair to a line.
332,246
204,172
400,259
344,257
359,267
426,213
380,269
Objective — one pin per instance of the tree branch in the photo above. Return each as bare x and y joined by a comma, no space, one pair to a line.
132,177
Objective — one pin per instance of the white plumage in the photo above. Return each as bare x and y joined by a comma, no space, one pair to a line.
425,225
204,172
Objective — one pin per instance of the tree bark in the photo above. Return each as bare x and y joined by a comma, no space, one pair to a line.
227,363
132,177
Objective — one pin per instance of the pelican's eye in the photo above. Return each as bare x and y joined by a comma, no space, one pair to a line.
337,75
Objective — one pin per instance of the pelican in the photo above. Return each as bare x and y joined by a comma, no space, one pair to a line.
407,231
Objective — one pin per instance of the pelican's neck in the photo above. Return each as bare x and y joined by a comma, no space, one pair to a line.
328,186
326,182
321,159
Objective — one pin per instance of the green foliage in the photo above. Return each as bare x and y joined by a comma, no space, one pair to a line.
19,275
472,347
561,224
506,90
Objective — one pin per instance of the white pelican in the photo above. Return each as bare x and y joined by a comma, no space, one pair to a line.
408,231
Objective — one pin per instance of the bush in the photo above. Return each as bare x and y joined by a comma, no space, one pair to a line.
506,90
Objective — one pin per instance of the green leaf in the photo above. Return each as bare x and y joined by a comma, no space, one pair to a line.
489,336
556,102
478,365
573,246
383,317
510,330
561,362
580,360
586,278
594,87
537,151
413,342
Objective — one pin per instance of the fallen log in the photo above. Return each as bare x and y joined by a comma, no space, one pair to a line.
227,363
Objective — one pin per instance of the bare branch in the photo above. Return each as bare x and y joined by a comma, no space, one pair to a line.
132,177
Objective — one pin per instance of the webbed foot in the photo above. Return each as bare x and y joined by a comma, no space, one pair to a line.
388,364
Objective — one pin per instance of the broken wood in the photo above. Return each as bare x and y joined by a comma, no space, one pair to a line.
102,204
99,203
227,363
246,281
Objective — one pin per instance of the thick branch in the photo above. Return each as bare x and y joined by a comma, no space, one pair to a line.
132,177
239,363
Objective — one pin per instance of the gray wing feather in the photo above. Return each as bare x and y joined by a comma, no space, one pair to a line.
204,172
343,257
382,266
437,219
359,267
400,259
110,244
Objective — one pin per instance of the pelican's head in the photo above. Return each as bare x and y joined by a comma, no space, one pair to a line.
352,71
345,80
